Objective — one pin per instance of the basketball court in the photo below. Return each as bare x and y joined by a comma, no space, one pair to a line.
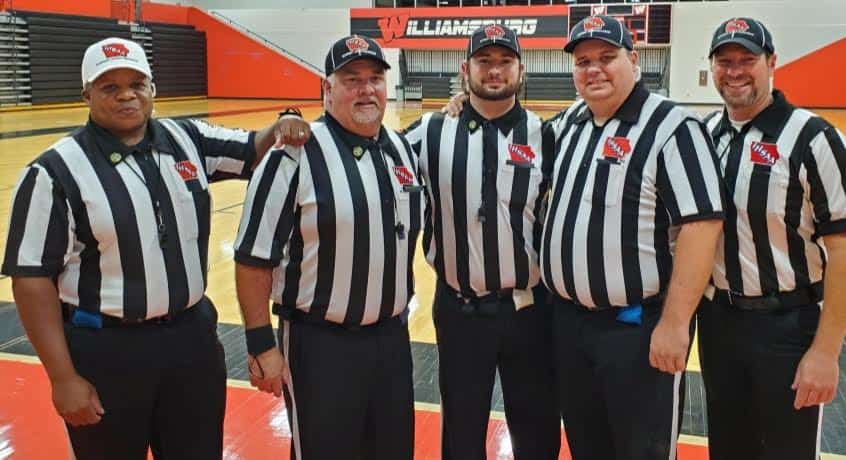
256,424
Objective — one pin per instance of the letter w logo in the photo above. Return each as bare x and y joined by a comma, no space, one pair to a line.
393,27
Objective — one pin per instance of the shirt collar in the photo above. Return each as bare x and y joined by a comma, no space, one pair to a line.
504,123
356,144
116,151
769,121
629,112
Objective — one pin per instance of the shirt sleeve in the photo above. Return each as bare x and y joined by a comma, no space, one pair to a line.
226,153
687,180
827,181
414,134
269,210
39,233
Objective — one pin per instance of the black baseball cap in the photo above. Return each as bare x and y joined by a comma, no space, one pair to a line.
746,32
353,47
600,27
493,34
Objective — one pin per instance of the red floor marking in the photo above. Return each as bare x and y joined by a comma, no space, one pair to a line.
256,426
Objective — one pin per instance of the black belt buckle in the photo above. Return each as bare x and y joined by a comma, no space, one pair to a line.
489,306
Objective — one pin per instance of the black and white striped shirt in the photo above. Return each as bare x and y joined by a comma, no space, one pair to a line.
485,189
619,194
338,219
785,174
84,212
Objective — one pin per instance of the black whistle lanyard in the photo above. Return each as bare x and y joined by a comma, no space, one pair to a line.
153,189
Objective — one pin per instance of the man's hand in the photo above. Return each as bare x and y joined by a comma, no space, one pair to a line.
290,130
669,345
455,105
76,401
816,379
269,371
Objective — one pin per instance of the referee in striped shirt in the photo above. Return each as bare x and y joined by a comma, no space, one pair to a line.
483,170
769,354
110,226
628,246
328,233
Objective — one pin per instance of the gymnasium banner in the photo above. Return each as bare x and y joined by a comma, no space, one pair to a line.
544,27
449,28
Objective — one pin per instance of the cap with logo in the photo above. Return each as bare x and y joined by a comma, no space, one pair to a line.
113,53
353,47
746,32
493,34
600,27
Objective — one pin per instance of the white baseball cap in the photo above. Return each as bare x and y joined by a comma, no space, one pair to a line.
113,53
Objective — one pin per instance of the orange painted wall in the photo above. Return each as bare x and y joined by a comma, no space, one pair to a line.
161,12
238,66
814,79
98,8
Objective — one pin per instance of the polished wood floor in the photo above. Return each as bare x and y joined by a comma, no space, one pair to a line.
252,419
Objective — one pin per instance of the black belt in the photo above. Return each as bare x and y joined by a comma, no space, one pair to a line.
783,300
651,301
294,314
485,305
68,311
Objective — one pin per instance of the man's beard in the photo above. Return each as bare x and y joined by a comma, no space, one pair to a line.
739,101
366,117
503,93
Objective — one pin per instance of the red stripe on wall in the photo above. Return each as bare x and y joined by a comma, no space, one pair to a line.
814,80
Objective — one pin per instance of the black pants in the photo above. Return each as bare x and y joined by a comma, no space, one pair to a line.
749,360
352,393
471,346
614,405
162,386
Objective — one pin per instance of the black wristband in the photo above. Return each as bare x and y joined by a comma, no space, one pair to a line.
260,339
291,111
